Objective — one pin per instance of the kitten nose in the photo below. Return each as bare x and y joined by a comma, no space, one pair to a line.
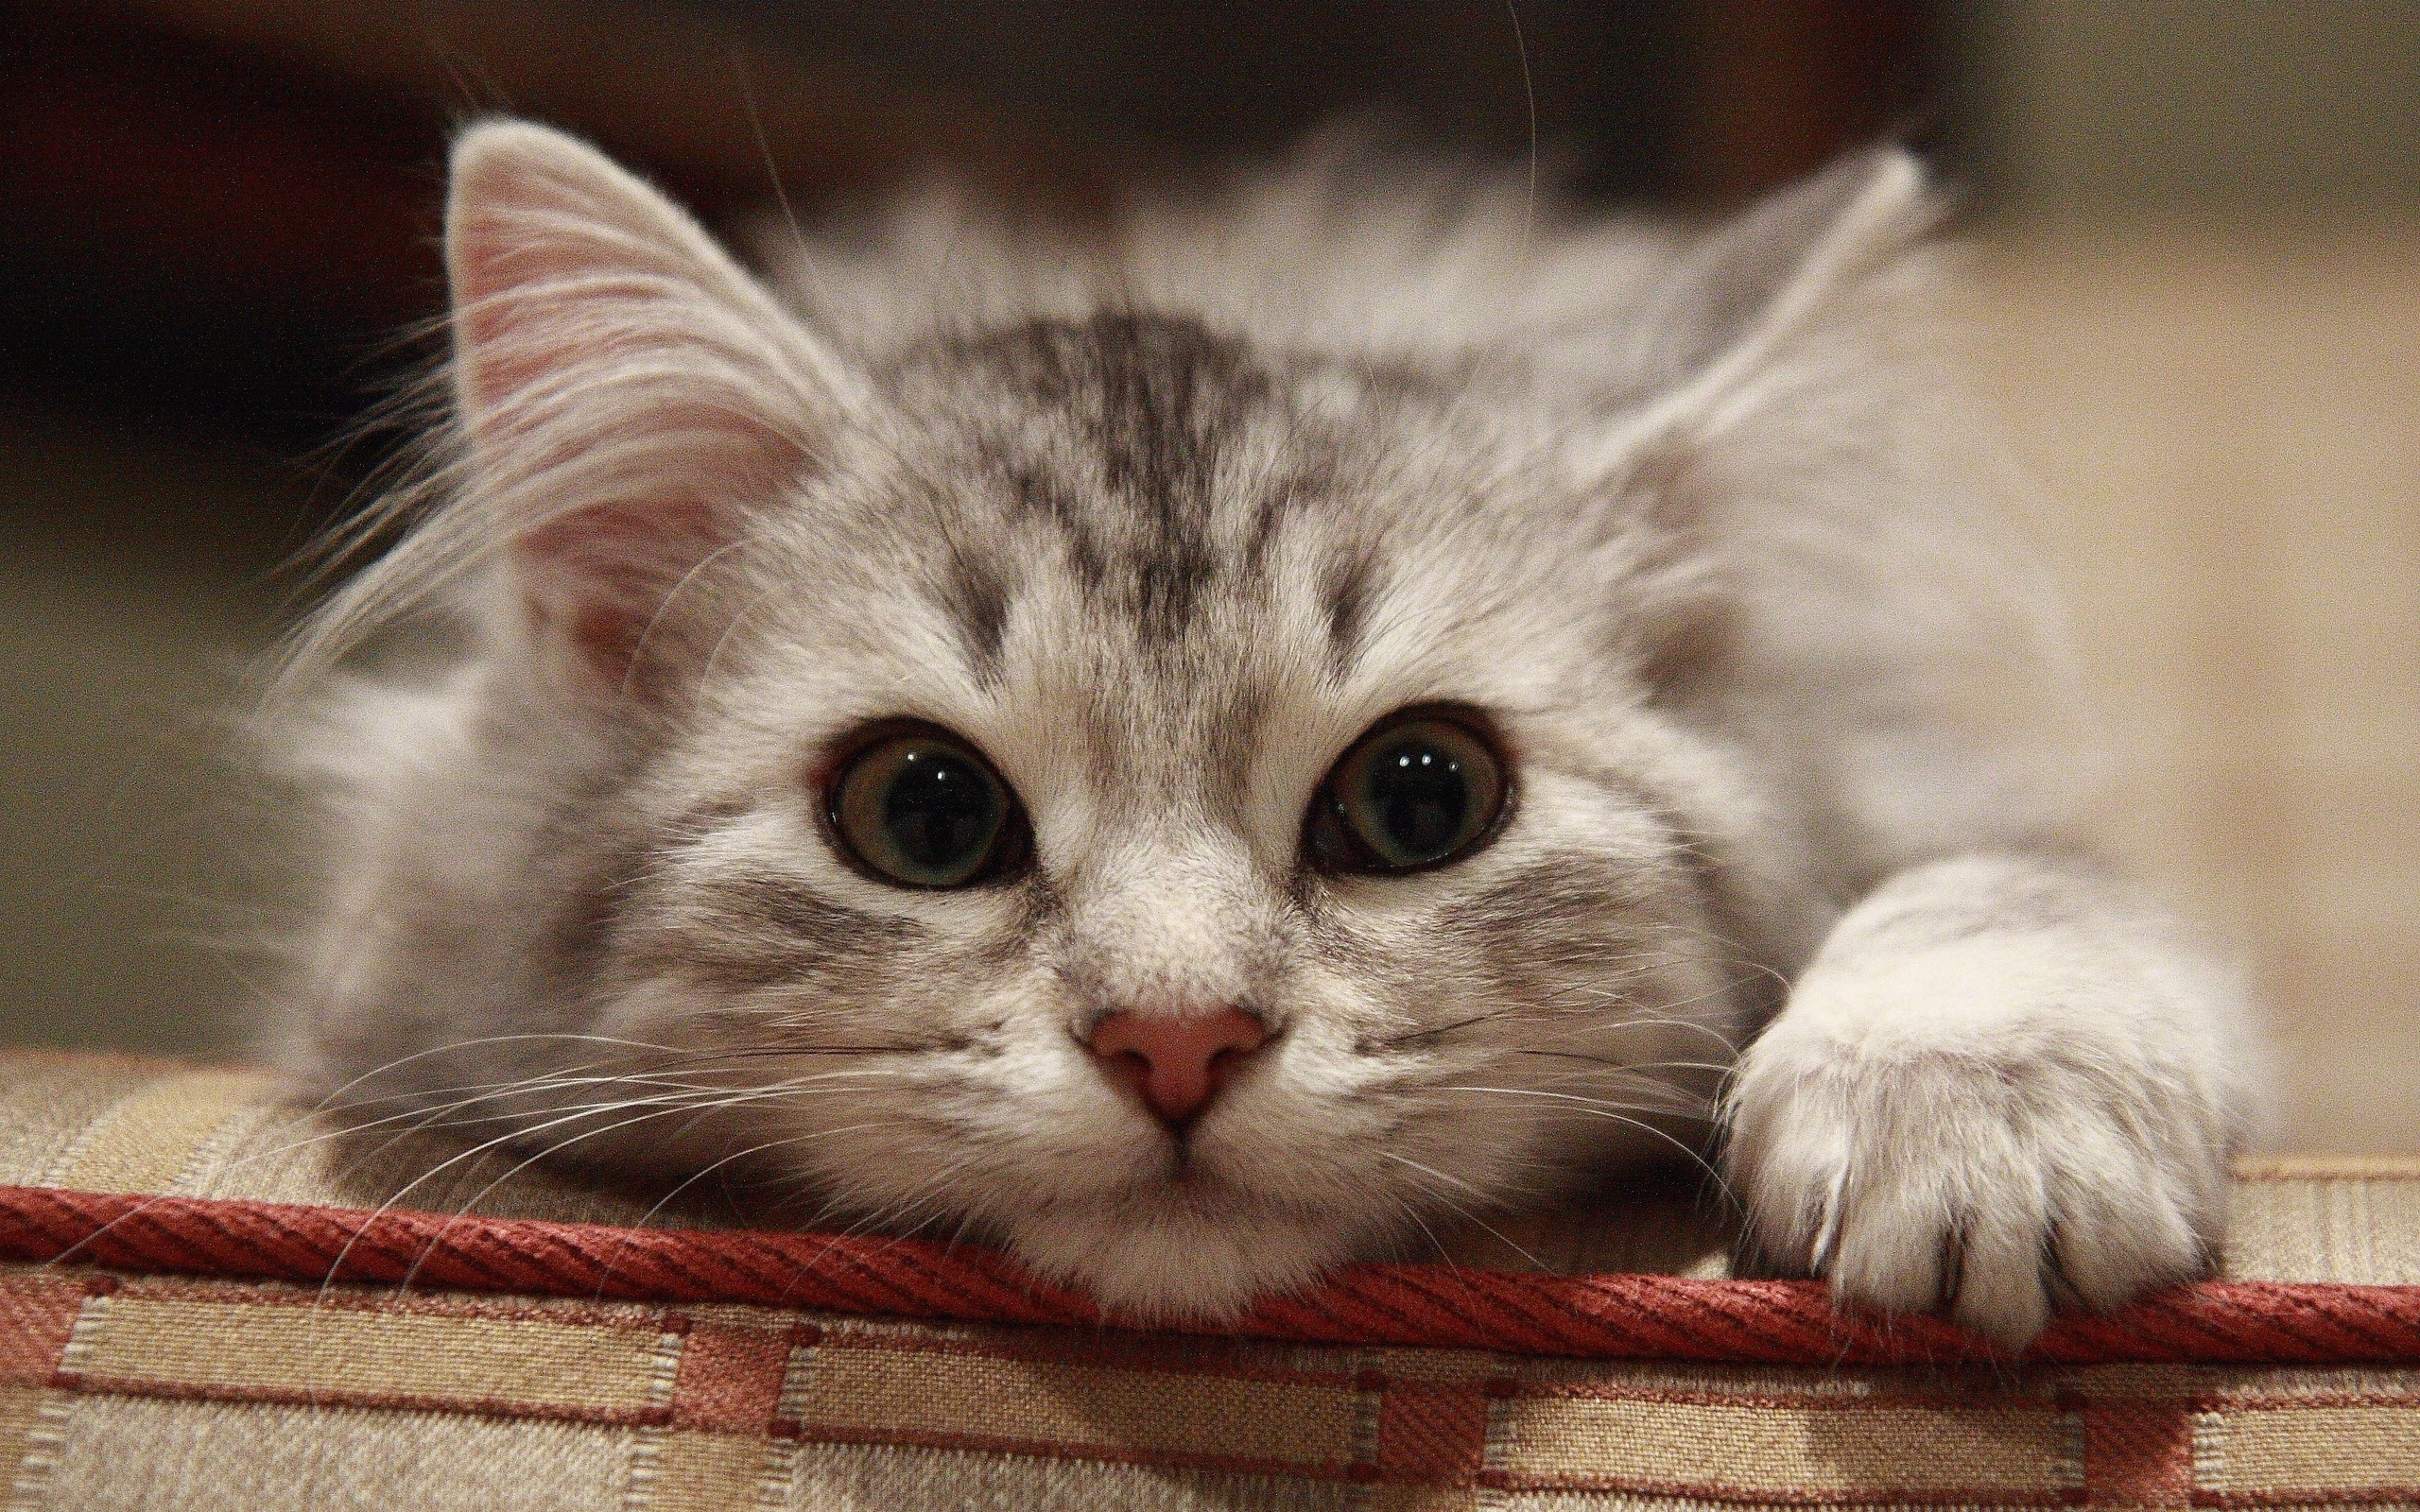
1178,1064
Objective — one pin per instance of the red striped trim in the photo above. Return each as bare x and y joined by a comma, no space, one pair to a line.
1599,1316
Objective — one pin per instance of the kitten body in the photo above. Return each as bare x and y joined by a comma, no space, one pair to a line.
1159,521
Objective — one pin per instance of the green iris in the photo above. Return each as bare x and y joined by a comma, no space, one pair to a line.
923,810
1414,793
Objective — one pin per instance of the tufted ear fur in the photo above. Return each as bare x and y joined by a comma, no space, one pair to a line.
1807,528
626,391
1804,259
1776,265
1792,314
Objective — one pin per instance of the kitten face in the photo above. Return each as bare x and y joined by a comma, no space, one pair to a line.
1136,569
1158,557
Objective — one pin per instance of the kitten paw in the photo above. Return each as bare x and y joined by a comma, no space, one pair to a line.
1999,1168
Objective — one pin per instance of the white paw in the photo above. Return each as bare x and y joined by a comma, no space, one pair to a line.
1982,1131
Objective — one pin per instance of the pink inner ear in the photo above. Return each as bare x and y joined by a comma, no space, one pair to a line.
503,349
630,395
604,636
599,575
520,241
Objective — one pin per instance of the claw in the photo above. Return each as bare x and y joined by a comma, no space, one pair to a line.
1953,1266
2065,1295
1827,1224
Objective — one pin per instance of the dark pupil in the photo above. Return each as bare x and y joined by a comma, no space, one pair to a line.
941,812
1420,799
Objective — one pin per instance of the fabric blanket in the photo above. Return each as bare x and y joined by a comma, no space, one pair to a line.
214,1298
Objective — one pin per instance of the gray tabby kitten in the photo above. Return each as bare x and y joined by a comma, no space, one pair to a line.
1198,751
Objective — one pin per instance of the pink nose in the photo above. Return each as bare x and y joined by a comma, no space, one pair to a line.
1178,1064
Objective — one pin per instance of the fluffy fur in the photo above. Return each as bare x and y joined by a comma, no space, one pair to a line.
1161,518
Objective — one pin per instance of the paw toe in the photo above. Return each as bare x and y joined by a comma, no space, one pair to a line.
2001,1294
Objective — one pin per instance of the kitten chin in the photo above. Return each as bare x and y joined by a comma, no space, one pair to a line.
1174,1262
1347,679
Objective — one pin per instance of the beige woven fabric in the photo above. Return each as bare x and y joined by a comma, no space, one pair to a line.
165,1392
177,1393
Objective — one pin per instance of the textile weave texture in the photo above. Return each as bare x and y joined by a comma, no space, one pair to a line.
170,1337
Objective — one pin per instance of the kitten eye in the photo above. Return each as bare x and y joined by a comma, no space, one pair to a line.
920,808
1415,792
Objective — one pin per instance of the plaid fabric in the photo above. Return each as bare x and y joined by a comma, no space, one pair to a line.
127,1387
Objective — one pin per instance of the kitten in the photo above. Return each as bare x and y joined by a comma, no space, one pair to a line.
1198,751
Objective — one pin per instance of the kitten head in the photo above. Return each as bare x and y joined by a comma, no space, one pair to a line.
1190,803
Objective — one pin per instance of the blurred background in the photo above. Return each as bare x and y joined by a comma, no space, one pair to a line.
2197,302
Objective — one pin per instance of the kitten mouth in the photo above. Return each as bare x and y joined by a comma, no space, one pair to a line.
1194,1166
1179,1175
1184,1160
1182,1170
1186,1176
1202,1191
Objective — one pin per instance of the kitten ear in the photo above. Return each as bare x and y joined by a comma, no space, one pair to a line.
628,391
1789,350
1775,263
1808,259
